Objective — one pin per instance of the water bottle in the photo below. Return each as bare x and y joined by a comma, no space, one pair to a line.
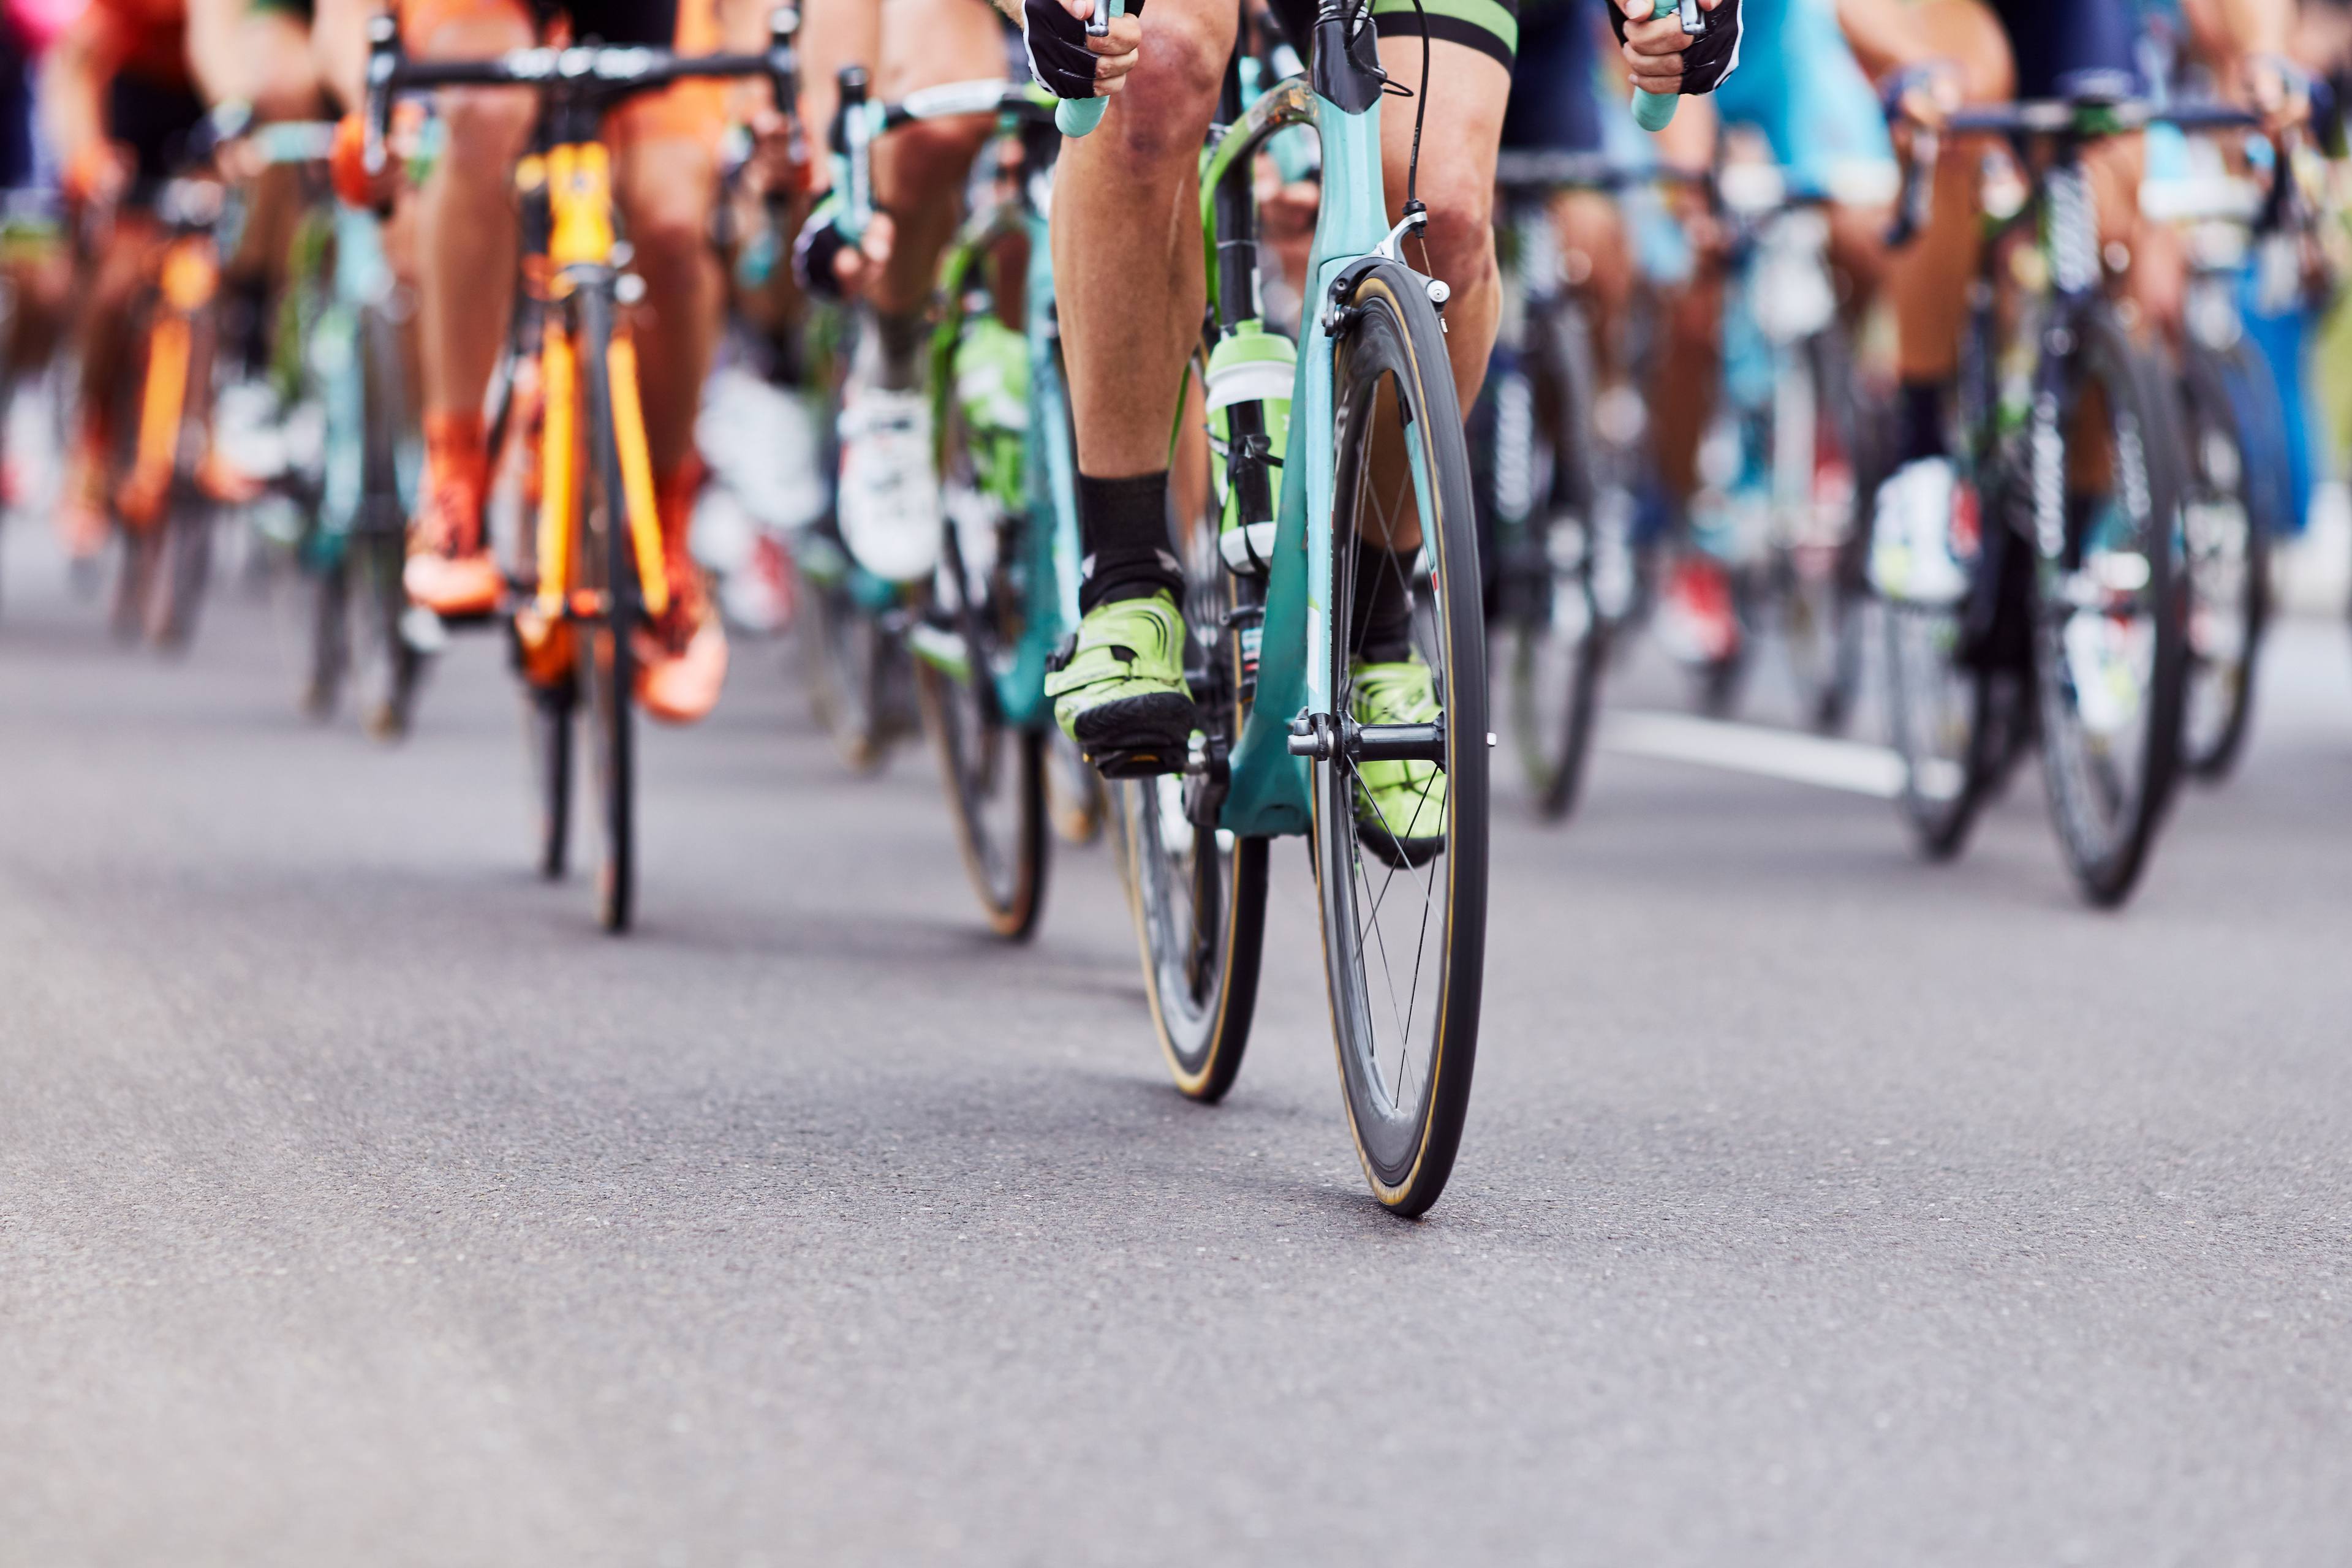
1251,375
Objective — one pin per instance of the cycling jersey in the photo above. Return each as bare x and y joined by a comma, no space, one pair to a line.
1798,83
2057,44
142,45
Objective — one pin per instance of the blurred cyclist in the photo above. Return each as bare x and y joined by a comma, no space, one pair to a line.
666,182
888,498
1940,55
120,102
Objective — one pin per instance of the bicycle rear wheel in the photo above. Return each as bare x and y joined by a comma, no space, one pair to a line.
2233,502
2109,621
1557,641
1197,891
1403,919
607,661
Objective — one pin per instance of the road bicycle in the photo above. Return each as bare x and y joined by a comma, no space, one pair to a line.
1006,588
1374,444
351,458
160,376
2242,237
598,570
1784,460
2072,630
1557,480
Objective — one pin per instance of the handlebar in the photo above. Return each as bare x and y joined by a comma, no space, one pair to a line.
1078,116
2082,118
1653,111
598,75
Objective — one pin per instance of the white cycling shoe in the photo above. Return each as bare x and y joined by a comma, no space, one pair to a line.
1922,511
890,505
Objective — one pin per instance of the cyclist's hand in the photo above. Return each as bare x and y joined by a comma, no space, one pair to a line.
1926,95
2279,91
347,168
1069,63
780,163
1663,58
827,262
97,174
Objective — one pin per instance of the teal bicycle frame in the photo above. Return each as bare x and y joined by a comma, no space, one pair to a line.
1049,463
1268,794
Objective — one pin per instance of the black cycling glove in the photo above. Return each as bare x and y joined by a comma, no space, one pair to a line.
818,245
1056,41
1711,55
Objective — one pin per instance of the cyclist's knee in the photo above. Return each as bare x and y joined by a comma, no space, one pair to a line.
1172,95
667,196
928,159
1460,194
1970,37
487,130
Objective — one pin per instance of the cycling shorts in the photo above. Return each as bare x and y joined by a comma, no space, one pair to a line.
2055,42
687,110
1800,86
1489,26
153,118
1554,91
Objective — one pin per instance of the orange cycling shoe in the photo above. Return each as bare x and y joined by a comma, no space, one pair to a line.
450,570
682,657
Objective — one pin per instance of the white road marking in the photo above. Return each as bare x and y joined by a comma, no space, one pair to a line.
1848,765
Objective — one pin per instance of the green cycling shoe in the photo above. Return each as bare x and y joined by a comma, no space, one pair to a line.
1120,690
1400,806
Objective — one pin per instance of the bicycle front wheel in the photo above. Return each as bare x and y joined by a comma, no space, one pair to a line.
2235,499
607,661
1558,638
2109,644
1403,911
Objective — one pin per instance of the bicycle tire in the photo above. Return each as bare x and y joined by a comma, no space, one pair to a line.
389,668
2234,504
1817,582
329,571
1197,893
607,661
2105,831
547,730
993,771
1390,356
186,567
1558,639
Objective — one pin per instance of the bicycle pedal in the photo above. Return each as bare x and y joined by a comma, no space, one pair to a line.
1139,762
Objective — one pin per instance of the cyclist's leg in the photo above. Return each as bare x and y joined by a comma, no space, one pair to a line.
1130,288
1555,107
667,182
255,52
890,505
919,169
466,260
1469,86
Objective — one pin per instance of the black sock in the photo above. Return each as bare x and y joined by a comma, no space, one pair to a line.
1919,417
900,339
1123,528
1379,627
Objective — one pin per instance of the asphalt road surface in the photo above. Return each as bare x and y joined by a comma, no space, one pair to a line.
360,1204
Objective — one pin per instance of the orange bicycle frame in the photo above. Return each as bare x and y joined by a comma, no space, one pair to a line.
580,205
